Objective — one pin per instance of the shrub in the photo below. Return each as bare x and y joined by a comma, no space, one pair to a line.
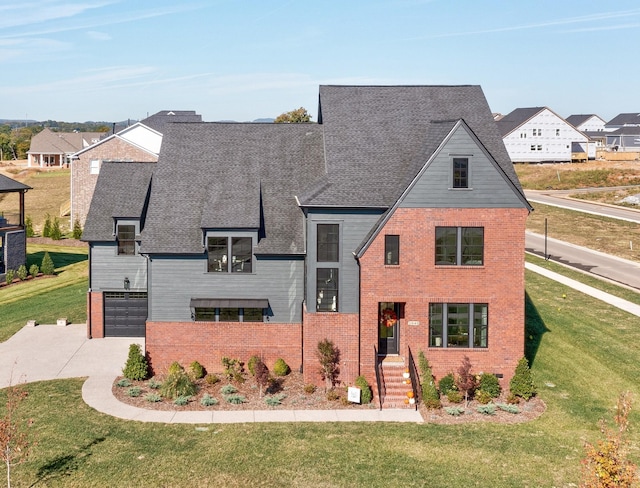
56,233
208,401
430,395
228,389
513,399
235,399
275,400
28,227
152,397
262,375
177,385
483,397
508,408
329,357
77,230
487,409
365,390
22,272
332,395
134,391
175,368
446,384
211,379
153,384
465,381
9,275
309,388
454,396
233,369
196,370
46,228
280,368
123,383
182,400
455,411
251,364
521,384
47,267
136,367
34,269
490,384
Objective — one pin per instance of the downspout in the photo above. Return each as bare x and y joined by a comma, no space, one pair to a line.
89,298
359,315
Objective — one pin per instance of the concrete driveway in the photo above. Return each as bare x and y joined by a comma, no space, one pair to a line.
48,352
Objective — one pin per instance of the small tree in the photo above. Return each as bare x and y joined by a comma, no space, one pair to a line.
521,384
329,357
262,375
297,116
47,267
136,367
28,227
77,230
56,233
46,228
430,395
465,381
606,464
15,445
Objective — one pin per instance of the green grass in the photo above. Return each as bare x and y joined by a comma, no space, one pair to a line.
568,176
583,352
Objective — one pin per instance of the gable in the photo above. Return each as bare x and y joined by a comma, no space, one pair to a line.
488,185
547,122
143,137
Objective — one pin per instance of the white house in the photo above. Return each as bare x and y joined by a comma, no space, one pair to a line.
587,122
537,134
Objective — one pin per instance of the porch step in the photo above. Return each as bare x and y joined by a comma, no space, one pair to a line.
395,387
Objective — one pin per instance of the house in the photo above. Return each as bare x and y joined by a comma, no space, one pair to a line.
54,149
537,134
393,225
623,120
587,122
624,139
13,240
139,142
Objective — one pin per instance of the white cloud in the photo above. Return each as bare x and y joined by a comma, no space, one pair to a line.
98,36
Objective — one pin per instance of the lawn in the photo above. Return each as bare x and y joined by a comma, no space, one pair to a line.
583,354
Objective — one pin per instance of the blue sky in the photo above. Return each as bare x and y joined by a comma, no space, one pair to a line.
109,60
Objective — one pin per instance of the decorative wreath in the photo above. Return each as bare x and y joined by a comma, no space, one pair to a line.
389,317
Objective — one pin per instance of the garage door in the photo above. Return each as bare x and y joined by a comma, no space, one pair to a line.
125,314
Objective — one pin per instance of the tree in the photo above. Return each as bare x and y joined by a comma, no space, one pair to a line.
465,381
297,116
15,445
329,357
262,375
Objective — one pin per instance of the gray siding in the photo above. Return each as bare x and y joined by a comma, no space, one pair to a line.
15,247
175,280
108,270
354,227
488,187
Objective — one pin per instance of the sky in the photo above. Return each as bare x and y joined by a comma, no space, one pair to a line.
113,60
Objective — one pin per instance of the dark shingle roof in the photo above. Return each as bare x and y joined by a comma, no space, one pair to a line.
222,175
577,119
8,185
121,191
377,137
48,141
158,120
516,118
625,119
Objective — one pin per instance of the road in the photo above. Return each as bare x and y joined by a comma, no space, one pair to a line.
619,270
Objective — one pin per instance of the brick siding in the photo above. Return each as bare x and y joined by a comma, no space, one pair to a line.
95,317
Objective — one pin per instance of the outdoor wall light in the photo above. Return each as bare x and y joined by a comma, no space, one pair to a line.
127,283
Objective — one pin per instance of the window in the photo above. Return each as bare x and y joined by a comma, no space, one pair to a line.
328,243
126,239
533,147
94,167
539,148
229,254
460,173
537,132
391,250
327,290
206,314
523,135
460,246
453,325
557,132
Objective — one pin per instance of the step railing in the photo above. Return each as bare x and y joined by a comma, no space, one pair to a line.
379,378
415,380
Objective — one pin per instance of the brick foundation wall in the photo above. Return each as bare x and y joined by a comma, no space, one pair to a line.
95,315
416,282
209,342
83,183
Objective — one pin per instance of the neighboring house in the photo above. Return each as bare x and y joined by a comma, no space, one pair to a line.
587,122
623,120
54,149
13,240
623,132
394,225
139,142
537,134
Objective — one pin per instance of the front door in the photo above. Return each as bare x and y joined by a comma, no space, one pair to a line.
388,328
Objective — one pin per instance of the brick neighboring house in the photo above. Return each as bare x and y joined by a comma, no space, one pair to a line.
54,149
139,142
13,238
393,225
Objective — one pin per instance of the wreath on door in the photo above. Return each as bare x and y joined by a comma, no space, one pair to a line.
389,317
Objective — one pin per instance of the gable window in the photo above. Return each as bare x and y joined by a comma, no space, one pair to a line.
327,289
537,132
459,246
126,237
328,246
453,325
460,172
391,250
557,132
94,167
229,254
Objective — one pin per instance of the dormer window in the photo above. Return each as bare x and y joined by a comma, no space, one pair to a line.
126,237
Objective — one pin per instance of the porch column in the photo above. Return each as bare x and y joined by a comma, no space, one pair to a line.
22,209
